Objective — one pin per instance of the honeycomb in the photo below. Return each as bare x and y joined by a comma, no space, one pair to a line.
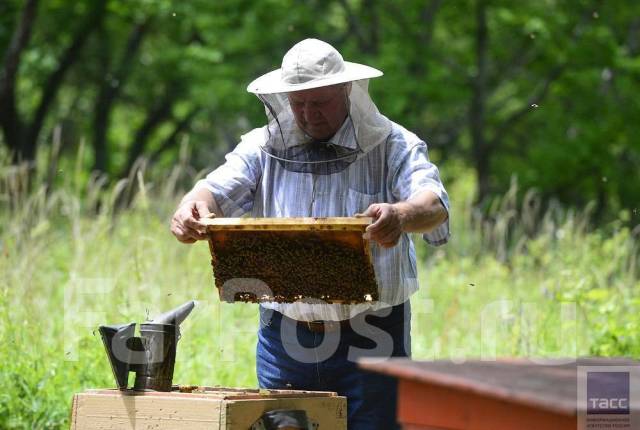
286,266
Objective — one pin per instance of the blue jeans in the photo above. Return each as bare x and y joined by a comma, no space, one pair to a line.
327,361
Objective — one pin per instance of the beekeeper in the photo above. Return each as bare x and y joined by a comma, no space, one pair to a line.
327,151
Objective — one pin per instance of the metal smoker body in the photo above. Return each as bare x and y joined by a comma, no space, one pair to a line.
151,356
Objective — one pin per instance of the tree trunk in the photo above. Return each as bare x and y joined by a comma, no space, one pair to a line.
12,127
109,90
155,117
480,145
100,123
55,80
10,121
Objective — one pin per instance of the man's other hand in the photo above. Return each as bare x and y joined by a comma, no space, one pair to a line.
387,226
186,225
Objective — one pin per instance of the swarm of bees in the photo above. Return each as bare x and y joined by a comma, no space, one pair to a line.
289,266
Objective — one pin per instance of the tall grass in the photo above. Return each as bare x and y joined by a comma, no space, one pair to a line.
519,281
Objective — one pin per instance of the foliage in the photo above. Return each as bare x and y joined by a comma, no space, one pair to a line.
538,89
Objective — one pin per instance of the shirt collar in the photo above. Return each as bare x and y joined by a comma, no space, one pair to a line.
345,135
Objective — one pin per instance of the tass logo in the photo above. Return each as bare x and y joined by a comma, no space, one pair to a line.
608,393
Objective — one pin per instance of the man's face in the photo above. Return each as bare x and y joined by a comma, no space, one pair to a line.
320,112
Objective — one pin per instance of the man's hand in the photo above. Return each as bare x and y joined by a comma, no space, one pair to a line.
387,226
422,213
186,225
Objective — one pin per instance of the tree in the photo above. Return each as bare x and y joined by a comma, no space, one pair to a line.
22,134
505,89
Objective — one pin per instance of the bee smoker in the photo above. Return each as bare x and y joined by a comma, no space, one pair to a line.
151,356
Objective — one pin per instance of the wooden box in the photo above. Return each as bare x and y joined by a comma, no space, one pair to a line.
289,259
504,394
203,408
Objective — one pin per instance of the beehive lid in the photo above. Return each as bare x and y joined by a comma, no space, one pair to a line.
223,393
290,259
512,380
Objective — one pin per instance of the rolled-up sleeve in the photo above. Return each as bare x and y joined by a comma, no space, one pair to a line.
234,183
412,173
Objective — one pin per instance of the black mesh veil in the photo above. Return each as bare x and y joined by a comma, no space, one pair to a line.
363,129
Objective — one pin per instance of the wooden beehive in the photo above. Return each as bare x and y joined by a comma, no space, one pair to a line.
503,394
289,259
201,409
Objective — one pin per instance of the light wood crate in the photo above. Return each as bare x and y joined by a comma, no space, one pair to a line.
204,408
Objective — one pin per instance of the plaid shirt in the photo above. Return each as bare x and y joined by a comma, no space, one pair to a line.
251,182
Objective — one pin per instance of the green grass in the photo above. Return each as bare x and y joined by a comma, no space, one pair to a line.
518,282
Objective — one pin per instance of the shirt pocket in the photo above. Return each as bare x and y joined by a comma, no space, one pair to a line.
358,202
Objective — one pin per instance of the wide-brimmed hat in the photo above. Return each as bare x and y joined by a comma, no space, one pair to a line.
311,63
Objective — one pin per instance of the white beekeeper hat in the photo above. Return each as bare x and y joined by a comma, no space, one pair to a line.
309,64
